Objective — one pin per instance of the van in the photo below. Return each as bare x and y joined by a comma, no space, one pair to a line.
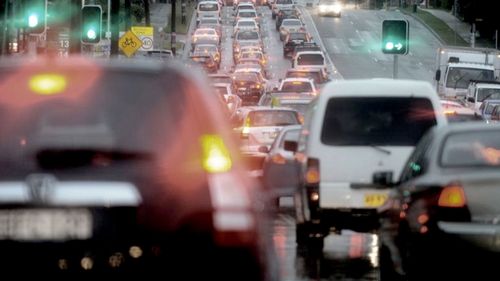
353,130
208,9
309,60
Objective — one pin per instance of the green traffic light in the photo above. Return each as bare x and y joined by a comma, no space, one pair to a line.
33,20
389,46
91,34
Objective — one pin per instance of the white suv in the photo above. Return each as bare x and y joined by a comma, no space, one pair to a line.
353,130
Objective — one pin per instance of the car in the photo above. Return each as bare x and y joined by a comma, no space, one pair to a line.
486,108
205,33
246,38
231,101
297,101
290,25
257,127
95,179
248,86
319,76
205,61
309,60
208,9
246,24
298,85
247,14
220,78
464,114
440,220
211,23
279,5
352,129
255,68
257,57
294,39
160,54
495,114
330,8
279,162
292,13
306,46
208,49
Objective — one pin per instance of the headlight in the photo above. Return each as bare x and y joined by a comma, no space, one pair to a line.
322,8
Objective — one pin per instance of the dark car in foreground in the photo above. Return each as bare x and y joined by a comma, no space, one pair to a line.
114,167
441,222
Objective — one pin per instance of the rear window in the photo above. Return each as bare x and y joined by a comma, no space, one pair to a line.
263,118
247,14
461,117
291,22
310,59
248,35
316,76
296,86
471,149
208,7
246,23
299,107
490,107
364,121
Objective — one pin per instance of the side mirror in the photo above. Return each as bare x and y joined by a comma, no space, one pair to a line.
264,149
383,179
471,100
438,75
291,145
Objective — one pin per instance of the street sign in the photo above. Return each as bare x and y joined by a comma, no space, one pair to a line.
395,37
145,33
129,43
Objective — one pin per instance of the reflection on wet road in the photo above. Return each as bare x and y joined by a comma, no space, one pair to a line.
350,256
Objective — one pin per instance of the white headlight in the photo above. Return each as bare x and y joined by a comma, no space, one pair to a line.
337,8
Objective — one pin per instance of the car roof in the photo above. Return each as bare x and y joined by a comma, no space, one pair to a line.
377,88
297,79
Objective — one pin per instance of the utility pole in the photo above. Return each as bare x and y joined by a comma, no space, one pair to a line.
172,24
146,11
75,44
128,15
115,27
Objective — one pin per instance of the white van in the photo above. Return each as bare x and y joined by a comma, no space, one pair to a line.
352,130
208,9
309,60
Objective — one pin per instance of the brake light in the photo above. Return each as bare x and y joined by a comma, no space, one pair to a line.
246,128
312,171
452,196
216,157
450,112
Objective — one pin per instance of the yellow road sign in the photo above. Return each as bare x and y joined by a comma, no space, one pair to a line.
129,43
142,30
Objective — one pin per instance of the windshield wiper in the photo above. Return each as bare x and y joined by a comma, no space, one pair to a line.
383,150
487,97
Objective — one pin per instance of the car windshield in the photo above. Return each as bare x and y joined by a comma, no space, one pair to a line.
298,36
208,21
86,115
246,23
247,35
208,7
459,77
247,14
471,149
300,107
485,94
364,121
292,23
296,86
267,118
310,59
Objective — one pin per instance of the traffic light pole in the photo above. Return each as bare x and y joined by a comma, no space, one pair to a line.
115,28
75,43
4,28
172,24
395,67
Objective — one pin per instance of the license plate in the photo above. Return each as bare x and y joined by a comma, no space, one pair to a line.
375,200
45,225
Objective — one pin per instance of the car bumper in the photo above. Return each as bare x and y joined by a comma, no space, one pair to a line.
479,235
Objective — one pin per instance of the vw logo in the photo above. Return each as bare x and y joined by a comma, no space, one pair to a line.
41,187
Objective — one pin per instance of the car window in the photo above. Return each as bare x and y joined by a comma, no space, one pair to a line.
316,76
208,7
262,118
310,59
247,35
417,163
290,135
297,86
364,121
471,149
292,23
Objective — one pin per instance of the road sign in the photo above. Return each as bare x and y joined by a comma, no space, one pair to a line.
395,37
145,33
129,43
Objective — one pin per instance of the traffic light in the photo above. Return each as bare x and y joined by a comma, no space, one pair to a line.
395,37
35,16
91,24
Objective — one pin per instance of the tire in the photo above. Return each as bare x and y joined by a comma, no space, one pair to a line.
305,240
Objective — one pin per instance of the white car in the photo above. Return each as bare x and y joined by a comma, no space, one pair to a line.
205,33
352,130
290,25
298,85
329,8
310,60
246,24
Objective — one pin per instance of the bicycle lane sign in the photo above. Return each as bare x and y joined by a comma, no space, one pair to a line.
129,43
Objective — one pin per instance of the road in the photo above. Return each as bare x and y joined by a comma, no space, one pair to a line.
353,43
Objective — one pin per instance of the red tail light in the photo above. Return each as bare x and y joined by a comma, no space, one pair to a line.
278,159
312,171
452,196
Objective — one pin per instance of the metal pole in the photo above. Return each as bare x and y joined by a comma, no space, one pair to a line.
127,15
4,27
473,38
75,43
395,68
115,26
146,11
108,29
172,24
496,39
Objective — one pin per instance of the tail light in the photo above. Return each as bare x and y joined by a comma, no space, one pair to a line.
452,196
216,157
246,129
312,175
